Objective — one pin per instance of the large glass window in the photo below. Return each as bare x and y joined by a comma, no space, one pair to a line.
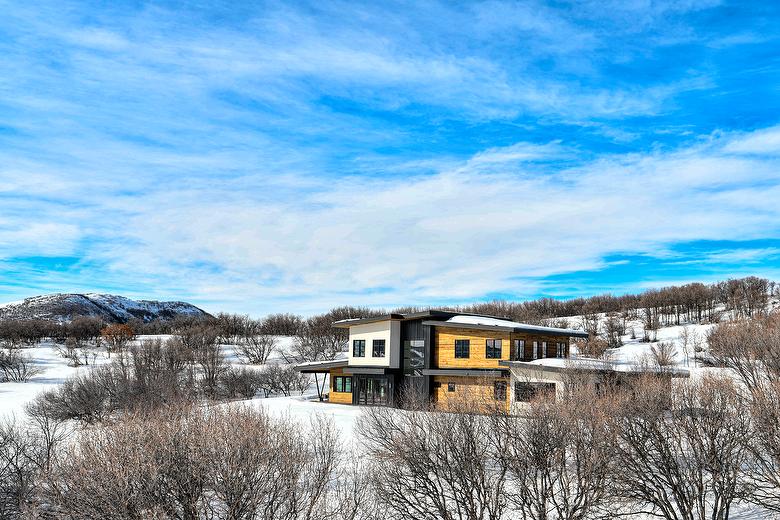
561,350
493,348
519,350
499,390
414,357
359,348
462,347
342,384
378,349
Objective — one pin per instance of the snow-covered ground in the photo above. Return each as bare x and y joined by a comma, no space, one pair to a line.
54,370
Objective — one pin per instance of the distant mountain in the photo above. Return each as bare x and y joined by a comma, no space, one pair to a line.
110,308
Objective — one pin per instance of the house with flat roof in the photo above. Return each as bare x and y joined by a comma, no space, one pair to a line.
448,357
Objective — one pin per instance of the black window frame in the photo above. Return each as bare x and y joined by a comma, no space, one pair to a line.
519,350
450,386
342,382
374,344
358,352
493,348
462,343
561,351
499,390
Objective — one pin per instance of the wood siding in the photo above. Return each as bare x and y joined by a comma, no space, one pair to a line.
338,397
444,349
471,393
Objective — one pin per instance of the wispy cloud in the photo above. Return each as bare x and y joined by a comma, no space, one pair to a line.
298,156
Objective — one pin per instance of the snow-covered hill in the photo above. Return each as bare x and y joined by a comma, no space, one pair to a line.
108,307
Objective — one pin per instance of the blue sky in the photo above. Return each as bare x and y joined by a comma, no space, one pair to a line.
289,157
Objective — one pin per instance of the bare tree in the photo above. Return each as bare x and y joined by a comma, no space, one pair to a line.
559,457
749,347
433,465
681,454
117,337
256,347
17,367
185,463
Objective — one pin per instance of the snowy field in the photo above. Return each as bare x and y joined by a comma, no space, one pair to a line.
55,370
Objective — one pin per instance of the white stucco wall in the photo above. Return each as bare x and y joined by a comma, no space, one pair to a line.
390,331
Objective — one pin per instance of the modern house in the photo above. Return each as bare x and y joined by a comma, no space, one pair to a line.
447,357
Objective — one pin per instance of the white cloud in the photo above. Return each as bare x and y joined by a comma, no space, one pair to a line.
483,226
766,141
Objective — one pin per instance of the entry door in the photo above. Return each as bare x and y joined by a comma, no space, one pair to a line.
374,390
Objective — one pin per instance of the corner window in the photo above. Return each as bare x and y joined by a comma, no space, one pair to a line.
378,349
499,390
450,387
359,348
462,348
342,384
493,348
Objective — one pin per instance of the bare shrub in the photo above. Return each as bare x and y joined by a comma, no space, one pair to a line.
765,447
20,466
17,367
682,453
664,354
185,463
240,382
559,457
592,347
283,379
433,465
749,347
614,328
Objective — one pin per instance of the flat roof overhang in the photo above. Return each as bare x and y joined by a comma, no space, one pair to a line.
463,372
530,329
365,370
312,367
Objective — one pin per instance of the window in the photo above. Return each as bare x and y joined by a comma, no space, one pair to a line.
379,348
450,387
561,349
527,391
543,350
499,390
535,350
342,384
493,348
414,357
359,348
462,348
519,350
